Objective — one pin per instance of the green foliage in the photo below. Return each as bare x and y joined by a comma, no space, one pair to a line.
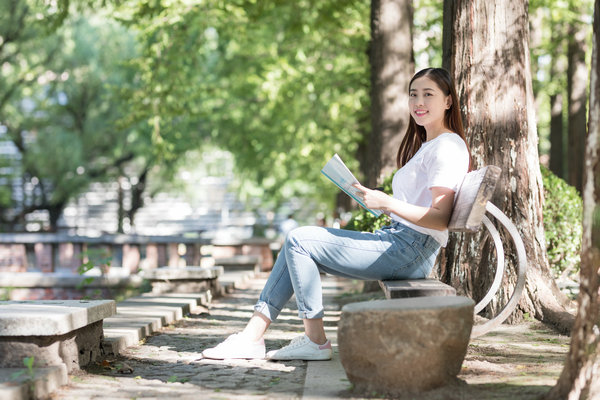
95,257
563,216
29,371
281,85
364,221
551,23
61,106
427,33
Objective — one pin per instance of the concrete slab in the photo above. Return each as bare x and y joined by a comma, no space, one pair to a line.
186,273
325,379
65,279
240,262
231,280
139,317
51,317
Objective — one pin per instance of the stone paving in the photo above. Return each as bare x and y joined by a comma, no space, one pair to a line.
169,364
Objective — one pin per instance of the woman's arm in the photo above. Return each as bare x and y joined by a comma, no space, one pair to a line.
435,217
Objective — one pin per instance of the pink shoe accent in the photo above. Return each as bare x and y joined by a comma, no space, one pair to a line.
327,345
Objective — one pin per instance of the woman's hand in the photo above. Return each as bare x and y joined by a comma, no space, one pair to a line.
375,199
434,217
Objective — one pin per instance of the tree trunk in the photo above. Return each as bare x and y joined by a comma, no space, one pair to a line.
121,205
579,378
486,49
392,66
577,76
55,212
557,134
137,193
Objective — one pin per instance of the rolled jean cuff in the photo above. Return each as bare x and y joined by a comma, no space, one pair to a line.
267,310
311,314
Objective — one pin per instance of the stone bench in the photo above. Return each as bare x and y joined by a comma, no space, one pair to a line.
404,345
54,332
249,262
469,213
258,247
65,285
184,279
417,339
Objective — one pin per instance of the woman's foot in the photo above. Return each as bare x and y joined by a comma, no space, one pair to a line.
302,348
236,346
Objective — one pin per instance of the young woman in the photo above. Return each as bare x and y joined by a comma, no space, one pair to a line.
433,159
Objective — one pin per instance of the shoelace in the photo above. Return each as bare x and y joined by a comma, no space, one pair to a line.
296,342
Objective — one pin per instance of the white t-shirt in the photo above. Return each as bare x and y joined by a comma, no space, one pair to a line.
441,162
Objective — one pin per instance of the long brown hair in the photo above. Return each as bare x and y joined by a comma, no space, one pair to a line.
415,134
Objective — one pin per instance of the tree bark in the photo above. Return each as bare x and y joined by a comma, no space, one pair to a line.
137,193
577,76
486,49
579,378
557,134
392,65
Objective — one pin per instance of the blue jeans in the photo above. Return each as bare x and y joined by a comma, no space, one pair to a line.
393,252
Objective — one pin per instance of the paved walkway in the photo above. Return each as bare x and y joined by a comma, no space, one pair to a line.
169,365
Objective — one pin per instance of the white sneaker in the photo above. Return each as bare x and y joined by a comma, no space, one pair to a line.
302,348
236,346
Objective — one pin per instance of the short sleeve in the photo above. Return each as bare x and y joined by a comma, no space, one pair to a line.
448,163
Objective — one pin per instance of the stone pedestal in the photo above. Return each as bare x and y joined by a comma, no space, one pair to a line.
404,345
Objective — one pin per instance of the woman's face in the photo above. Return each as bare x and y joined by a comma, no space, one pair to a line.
428,104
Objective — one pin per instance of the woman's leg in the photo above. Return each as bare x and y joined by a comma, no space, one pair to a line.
256,327
312,250
314,329
309,251
249,343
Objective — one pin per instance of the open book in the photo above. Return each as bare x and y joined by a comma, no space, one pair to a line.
338,173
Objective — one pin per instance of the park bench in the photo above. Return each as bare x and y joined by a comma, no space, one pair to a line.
55,332
184,280
470,207
423,329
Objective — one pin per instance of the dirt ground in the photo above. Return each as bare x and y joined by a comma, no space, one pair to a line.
513,362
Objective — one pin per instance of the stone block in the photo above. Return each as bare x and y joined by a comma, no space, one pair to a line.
70,256
44,256
51,317
240,262
403,346
13,257
53,332
131,257
183,280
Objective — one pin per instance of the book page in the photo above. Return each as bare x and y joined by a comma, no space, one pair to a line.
338,173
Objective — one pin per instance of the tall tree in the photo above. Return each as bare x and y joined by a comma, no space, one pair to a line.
392,65
557,134
580,378
281,85
71,107
577,76
486,48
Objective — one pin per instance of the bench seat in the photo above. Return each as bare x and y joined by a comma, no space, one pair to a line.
471,205
193,279
57,332
415,288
